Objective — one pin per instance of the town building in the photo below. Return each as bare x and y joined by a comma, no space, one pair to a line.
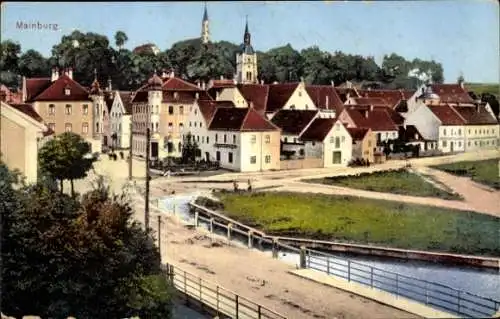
66,106
120,117
328,140
22,134
363,144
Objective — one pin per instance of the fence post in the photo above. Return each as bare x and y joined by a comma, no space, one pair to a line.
459,301
327,265
348,270
371,277
217,293
397,285
212,225
259,312
275,248
426,293
199,282
303,263
196,215
229,226
174,210
185,286
250,239
237,306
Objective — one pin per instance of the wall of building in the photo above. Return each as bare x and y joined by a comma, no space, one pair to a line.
425,121
234,95
265,146
451,138
79,119
246,63
173,124
337,140
300,100
301,163
481,137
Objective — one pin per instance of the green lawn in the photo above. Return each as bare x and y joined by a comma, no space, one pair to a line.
480,88
394,181
484,172
361,220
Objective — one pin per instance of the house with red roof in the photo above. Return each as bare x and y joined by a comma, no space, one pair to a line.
66,106
163,105
363,144
328,140
456,128
242,139
23,133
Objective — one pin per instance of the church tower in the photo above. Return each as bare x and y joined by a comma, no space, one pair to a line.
246,60
205,33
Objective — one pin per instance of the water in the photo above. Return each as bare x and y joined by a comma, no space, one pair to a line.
182,312
479,281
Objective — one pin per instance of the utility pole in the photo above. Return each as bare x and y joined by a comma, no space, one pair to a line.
146,207
159,234
130,154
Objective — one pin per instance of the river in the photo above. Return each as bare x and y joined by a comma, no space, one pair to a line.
479,281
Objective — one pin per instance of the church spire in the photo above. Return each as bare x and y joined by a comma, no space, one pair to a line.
246,36
205,33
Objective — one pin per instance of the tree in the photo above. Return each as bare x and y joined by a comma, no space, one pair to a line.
60,256
120,39
33,64
287,62
189,149
66,158
9,56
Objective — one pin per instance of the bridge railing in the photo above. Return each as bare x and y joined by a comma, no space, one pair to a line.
221,300
427,292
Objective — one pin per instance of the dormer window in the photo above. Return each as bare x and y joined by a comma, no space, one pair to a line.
67,91
176,95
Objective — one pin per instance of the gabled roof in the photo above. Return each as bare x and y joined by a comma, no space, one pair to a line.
240,119
377,119
293,122
30,111
343,92
208,108
221,84
410,134
371,101
357,134
391,97
56,91
35,86
177,84
187,97
257,94
279,94
318,129
323,94
450,93
476,115
447,115
126,97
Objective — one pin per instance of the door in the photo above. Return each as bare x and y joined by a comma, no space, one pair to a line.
207,156
154,149
451,146
337,157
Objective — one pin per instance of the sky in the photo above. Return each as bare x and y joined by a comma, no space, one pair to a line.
463,35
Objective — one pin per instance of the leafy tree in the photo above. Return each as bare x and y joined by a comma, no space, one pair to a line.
120,39
61,256
9,56
190,149
33,64
287,62
66,158
316,66
492,101
207,64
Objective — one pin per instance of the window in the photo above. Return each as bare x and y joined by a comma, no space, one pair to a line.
332,139
216,138
253,159
230,157
85,109
369,143
268,139
198,138
234,138
459,132
156,127
157,109
67,91
468,143
52,109
225,139
189,124
217,156
300,93
469,131
181,126
179,147
286,140
195,111
343,139
68,127
181,110
201,125
445,144
254,139
85,128
97,127
195,124
170,126
208,140
52,126
68,109
459,144
170,110
267,159
444,131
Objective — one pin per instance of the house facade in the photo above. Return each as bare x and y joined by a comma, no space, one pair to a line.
363,144
22,134
120,116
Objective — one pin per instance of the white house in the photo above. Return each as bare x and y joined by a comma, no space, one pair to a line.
120,117
328,139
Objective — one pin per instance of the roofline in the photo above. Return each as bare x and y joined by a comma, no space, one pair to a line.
25,116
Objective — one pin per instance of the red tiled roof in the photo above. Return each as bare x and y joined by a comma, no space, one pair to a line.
370,101
407,94
356,133
176,84
391,97
278,95
447,115
35,86
476,115
293,121
179,97
28,110
378,119
240,119
342,93
450,93
257,94
318,129
217,84
320,93
55,92
208,108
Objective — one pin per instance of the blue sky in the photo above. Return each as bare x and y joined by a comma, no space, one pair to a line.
461,34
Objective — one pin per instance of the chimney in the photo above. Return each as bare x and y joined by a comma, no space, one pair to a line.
349,84
24,93
275,82
172,74
327,102
164,74
262,82
217,93
55,74
203,85
371,107
416,136
197,96
70,73
222,77
250,104
110,87
332,83
348,95
478,107
366,113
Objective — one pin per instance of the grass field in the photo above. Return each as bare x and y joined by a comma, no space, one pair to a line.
484,172
395,181
480,88
365,221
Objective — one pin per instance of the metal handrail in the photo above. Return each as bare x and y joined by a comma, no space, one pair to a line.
218,298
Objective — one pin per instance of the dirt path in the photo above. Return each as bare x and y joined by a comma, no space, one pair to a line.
260,278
